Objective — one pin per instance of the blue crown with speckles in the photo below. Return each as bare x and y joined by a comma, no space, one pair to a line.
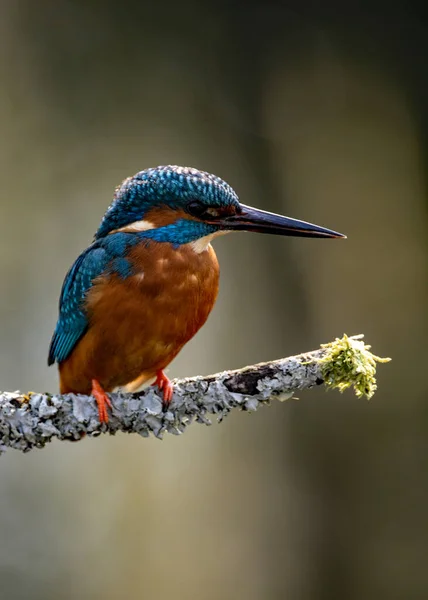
170,185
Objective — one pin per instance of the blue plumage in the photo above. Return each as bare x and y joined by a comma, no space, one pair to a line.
104,256
171,186
72,322
182,231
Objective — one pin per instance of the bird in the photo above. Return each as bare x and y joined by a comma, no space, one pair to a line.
149,280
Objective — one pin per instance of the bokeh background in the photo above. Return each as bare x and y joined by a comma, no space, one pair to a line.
316,110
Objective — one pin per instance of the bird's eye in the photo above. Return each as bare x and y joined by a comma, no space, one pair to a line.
196,208
209,213
202,211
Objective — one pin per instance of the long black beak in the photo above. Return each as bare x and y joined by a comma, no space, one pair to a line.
253,219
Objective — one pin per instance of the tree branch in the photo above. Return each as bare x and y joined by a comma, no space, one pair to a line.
30,421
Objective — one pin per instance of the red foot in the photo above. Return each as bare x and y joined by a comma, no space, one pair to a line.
165,385
102,400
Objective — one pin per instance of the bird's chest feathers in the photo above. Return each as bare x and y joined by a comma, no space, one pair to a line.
181,284
180,273
170,290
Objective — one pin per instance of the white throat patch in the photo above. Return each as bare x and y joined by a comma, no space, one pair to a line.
202,243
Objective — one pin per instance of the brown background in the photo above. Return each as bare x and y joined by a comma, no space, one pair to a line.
317,110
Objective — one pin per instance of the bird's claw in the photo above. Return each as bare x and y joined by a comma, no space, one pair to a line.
166,387
102,399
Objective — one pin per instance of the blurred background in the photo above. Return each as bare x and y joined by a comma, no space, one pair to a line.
316,110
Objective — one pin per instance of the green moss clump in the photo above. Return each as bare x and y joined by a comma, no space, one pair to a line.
347,363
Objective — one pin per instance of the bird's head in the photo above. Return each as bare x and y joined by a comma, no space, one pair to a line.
183,205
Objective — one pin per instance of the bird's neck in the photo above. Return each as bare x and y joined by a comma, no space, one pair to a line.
181,232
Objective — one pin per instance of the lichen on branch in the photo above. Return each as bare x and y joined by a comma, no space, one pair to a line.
347,363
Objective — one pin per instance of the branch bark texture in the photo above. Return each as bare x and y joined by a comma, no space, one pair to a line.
30,421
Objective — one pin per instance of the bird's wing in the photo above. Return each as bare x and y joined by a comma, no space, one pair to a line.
72,322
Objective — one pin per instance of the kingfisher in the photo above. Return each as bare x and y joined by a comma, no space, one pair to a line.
149,280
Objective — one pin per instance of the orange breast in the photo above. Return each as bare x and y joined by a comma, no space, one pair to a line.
138,325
